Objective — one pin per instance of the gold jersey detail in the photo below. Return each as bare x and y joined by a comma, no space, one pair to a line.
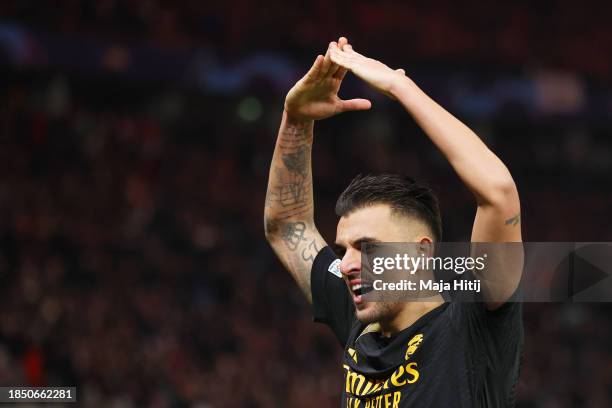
413,344
352,353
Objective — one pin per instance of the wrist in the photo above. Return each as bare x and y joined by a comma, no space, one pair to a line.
402,87
296,120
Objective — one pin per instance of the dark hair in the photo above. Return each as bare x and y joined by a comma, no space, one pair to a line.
402,193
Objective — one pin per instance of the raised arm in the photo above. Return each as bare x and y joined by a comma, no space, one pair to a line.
289,210
498,207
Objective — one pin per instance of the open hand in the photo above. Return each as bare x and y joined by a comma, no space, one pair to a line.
315,96
373,72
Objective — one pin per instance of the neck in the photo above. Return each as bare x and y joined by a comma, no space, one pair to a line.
410,313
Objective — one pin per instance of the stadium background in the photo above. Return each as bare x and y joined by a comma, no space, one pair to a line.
135,140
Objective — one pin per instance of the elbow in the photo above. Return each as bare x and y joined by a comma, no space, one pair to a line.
506,189
271,228
502,194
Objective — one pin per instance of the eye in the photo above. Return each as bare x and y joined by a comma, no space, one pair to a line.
370,248
340,251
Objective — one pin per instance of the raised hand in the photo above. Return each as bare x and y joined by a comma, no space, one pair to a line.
376,74
315,96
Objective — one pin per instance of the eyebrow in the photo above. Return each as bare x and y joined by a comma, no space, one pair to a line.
357,243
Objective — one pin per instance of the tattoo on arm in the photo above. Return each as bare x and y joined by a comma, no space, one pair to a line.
514,221
290,190
297,162
289,203
293,234
310,251
302,251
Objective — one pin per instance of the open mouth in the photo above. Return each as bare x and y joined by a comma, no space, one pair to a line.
359,289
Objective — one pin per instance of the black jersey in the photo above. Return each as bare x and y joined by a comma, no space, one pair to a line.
456,355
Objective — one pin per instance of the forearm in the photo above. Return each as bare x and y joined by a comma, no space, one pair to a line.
498,214
289,209
289,195
479,168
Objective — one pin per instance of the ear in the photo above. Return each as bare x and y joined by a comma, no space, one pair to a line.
426,246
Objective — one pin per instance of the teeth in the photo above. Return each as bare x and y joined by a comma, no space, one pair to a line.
356,287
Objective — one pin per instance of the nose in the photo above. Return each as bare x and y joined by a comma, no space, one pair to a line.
351,263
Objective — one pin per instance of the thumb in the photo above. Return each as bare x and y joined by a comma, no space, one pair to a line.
401,71
315,70
355,104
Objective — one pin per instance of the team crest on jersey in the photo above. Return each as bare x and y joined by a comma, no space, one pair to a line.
334,268
413,344
353,353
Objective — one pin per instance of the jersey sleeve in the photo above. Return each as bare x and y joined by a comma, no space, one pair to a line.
495,338
501,326
331,301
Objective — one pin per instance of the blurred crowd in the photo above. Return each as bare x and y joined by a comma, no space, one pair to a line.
566,34
133,263
132,258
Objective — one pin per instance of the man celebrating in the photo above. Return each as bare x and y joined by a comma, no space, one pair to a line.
397,354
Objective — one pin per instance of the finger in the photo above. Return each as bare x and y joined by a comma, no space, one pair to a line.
327,62
315,70
332,71
341,73
345,59
401,71
348,48
339,57
350,52
355,104
335,67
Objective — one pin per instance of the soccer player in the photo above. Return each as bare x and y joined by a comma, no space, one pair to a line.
396,354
